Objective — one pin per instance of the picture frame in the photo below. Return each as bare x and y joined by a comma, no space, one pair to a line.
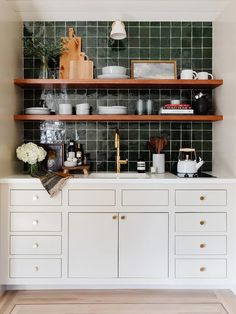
54,160
154,69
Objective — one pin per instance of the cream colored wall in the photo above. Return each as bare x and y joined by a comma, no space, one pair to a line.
224,133
10,98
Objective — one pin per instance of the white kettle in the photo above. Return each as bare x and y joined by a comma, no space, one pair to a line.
187,165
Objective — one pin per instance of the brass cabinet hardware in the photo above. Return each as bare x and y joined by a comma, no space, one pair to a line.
202,245
114,217
202,269
123,217
202,198
202,222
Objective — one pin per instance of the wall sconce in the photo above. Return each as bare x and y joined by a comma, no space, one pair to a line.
118,31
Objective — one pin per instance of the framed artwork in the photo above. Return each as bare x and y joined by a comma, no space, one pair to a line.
153,69
55,157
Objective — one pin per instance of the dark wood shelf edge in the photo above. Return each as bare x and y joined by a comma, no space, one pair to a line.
118,118
118,83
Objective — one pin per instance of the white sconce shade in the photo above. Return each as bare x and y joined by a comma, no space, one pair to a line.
118,30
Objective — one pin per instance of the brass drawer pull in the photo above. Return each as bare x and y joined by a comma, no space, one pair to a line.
114,217
123,217
202,198
202,222
202,269
202,245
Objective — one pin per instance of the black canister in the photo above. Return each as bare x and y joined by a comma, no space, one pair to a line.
201,105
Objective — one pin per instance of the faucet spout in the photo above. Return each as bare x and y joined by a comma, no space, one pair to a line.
119,161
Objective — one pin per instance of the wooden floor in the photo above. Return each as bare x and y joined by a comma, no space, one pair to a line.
118,302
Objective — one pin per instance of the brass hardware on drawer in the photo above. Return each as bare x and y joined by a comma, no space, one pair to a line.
123,217
35,222
202,245
35,269
202,269
202,198
35,245
35,197
202,222
114,217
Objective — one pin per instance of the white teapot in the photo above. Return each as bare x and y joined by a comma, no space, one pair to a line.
187,165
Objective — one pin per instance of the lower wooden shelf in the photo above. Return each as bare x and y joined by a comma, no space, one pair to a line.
118,117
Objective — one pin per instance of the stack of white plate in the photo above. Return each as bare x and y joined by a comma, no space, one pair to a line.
113,72
112,110
112,76
82,108
37,110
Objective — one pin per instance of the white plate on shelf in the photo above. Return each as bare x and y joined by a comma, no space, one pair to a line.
112,110
112,76
37,110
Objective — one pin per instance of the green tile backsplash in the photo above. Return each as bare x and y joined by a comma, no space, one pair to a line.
189,43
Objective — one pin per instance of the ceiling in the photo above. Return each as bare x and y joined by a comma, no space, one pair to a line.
107,10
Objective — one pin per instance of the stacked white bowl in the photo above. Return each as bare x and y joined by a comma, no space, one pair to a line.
82,108
114,69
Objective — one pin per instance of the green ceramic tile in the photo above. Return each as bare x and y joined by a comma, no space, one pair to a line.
176,32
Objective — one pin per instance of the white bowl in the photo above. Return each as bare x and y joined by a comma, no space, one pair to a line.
114,69
82,106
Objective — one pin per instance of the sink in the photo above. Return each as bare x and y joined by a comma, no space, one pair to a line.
114,175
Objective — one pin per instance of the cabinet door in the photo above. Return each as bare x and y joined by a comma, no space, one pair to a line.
93,245
143,239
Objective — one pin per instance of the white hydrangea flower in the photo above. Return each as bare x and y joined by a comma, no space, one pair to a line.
30,153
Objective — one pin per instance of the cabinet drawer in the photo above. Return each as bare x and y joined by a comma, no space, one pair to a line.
35,268
35,221
201,197
35,245
200,222
34,197
200,268
200,245
145,197
92,197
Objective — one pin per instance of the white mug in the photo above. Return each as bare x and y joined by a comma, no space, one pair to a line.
65,109
188,75
204,76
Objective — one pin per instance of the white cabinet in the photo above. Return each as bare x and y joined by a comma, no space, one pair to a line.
143,243
93,244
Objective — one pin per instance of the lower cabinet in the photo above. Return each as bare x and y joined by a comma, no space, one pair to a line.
118,245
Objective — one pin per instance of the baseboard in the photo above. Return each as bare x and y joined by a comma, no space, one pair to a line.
2,290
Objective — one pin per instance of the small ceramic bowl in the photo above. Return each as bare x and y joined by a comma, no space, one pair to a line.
114,70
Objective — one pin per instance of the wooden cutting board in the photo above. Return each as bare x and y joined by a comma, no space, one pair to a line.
72,45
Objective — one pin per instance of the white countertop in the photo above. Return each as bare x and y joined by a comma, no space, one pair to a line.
132,177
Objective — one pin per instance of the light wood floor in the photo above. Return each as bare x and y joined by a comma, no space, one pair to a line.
118,302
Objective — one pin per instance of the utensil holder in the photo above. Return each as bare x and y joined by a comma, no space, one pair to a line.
158,161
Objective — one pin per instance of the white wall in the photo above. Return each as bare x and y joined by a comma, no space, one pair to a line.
224,133
10,67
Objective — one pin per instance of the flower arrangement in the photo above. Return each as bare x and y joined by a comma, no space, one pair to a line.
32,154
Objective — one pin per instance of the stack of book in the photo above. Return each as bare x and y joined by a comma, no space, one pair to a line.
176,109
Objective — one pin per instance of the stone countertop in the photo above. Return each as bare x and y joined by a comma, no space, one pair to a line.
132,177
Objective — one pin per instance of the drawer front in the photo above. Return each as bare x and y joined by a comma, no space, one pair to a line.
200,245
92,197
145,197
35,245
201,268
34,197
35,268
201,197
201,222
35,221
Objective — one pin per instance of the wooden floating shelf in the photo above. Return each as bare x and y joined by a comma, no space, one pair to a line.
118,83
118,118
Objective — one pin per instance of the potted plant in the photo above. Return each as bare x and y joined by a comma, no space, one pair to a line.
44,49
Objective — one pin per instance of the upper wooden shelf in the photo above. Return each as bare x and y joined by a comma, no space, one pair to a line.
118,83
118,118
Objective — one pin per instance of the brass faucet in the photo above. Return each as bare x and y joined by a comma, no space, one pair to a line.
117,146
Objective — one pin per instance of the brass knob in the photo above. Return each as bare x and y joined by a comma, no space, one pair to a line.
202,222
202,198
114,217
202,245
202,269
123,217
